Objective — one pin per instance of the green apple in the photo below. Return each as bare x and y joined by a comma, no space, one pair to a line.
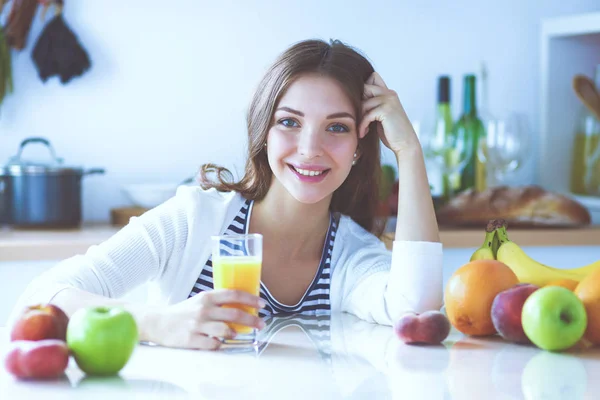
102,339
553,318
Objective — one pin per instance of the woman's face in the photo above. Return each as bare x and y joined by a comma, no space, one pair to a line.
312,139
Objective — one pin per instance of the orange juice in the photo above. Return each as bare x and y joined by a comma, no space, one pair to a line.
238,273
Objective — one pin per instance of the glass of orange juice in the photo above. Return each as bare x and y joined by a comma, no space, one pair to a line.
237,264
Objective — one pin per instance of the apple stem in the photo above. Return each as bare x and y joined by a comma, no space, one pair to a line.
565,317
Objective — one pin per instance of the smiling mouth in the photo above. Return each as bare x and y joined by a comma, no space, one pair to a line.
305,172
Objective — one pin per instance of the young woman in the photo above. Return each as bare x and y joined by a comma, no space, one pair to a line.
310,188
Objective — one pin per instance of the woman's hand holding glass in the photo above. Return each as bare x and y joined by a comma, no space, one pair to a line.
200,321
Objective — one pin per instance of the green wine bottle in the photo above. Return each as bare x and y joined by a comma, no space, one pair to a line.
469,127
443,131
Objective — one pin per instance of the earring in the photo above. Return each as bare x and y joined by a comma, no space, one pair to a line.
265,144
354,161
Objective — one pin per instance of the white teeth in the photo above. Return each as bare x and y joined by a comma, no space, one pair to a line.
307,172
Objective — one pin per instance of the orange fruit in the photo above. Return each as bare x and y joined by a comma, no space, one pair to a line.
566,283
470,292
588,292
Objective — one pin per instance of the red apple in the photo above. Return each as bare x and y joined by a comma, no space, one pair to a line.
41,359
38,322
506,312
430,327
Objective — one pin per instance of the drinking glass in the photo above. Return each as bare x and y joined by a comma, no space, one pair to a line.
447,152
237,264
506,146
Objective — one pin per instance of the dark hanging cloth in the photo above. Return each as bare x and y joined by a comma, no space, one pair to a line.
58,52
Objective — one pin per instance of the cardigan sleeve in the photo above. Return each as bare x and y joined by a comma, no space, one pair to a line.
380,285
137,253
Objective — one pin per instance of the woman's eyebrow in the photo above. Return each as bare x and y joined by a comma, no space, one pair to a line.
332,116
340,115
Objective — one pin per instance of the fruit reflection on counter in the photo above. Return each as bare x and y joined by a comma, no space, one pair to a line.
41,359
43,338
501,290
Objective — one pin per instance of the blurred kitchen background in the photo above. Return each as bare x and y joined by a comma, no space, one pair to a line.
169,84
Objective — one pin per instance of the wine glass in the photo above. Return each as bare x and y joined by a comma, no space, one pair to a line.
505,147
447,152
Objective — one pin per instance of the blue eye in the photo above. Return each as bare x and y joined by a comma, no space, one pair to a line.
288,122
339,128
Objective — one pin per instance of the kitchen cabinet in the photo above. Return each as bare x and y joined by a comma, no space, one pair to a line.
569,45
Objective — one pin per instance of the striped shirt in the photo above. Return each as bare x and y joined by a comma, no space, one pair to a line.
315,300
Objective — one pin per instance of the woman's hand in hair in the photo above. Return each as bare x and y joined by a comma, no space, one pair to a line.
382,105
201,320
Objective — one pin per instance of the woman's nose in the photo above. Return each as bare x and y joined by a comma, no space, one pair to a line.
309,143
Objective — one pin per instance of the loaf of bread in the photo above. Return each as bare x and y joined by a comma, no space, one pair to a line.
523,206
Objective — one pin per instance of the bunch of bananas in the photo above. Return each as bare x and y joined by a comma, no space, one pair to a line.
498,246
6,82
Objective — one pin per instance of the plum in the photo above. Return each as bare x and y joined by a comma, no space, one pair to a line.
430,327
506,312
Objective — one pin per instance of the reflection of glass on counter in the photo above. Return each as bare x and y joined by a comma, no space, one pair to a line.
585,172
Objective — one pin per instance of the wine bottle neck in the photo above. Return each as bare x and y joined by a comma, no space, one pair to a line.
444,110
469,101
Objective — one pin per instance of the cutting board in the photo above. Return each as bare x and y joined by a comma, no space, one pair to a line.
120,216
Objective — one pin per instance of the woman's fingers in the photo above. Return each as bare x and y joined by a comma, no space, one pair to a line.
368,117
237,316
227,296
371,103
376,79
373,90
203,342
216,329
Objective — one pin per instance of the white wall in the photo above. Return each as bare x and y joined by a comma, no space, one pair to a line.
171,81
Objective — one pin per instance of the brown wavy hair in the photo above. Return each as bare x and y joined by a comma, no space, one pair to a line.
358,196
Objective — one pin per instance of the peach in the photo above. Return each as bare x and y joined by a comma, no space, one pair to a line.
430,327
506,312
41,359
38,322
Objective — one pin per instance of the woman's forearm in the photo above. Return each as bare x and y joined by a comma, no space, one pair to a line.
416,216
72,299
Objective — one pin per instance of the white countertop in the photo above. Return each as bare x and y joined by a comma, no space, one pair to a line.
344,358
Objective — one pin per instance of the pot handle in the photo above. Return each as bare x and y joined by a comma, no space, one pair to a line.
4,213
94,171
41,140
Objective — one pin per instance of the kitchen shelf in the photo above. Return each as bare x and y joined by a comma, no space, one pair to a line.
48,245
473,238
570,45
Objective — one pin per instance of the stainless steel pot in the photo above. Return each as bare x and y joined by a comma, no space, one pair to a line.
41,194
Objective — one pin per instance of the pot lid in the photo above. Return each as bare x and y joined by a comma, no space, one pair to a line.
17,165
